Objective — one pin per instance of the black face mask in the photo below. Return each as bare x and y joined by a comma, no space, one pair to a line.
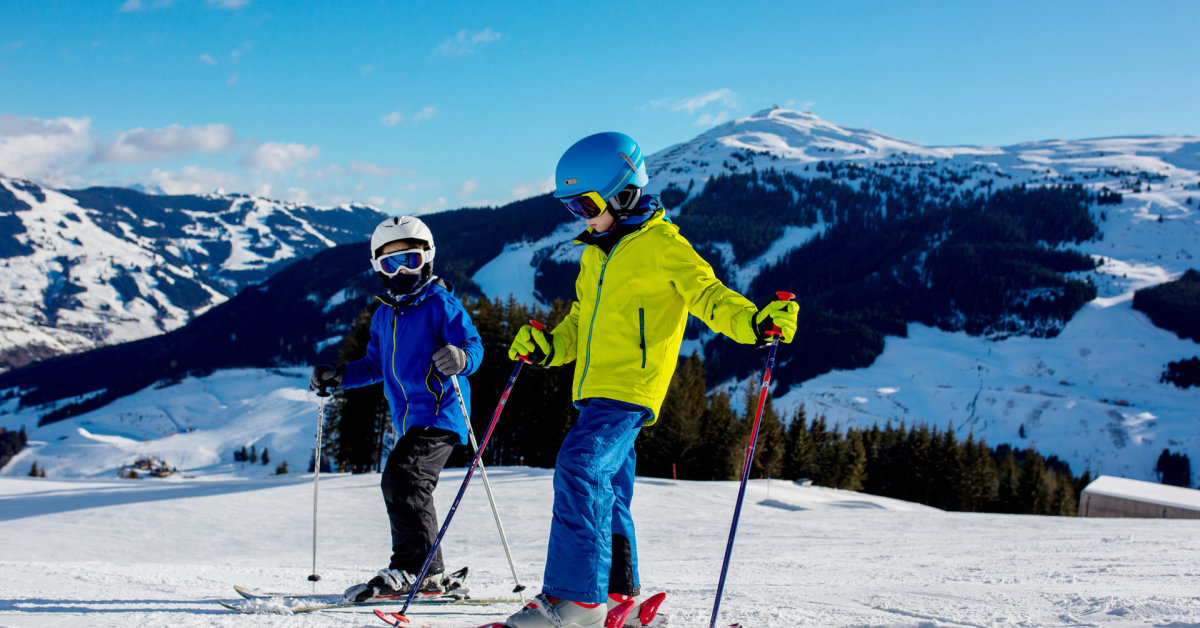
403,283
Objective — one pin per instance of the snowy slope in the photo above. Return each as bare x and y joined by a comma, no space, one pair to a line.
1069,392
90,268
193,426
159,553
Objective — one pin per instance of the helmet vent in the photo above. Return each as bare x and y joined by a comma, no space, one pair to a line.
629,161
571,181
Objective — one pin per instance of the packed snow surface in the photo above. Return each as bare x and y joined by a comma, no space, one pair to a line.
161,552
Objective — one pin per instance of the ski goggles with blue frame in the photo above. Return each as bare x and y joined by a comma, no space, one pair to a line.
392,263
585,206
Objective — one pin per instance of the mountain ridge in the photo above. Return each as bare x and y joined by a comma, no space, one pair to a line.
1139,201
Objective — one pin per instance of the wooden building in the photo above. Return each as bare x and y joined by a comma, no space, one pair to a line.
1109,496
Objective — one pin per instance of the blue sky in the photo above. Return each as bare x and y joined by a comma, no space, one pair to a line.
419,107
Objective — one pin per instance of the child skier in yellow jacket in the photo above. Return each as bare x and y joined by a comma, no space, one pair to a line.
638,281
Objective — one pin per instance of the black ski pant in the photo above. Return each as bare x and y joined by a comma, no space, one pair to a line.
408,481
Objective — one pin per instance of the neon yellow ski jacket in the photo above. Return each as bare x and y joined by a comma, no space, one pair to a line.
626,324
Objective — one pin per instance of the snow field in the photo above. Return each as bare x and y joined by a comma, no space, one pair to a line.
159,553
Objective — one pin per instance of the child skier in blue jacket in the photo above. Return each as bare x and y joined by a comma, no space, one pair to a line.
638,281
420,337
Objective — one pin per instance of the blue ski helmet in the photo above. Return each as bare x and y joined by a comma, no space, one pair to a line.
603,163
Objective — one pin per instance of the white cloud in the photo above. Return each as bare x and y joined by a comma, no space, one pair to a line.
278,156
232,80
193,180
228,4
376,201
236,54
806,105
468,188
724,96
35,148
207,59
534,188
437,204
374,170
143,145
465,42
392,119
395,117
138,5
709,119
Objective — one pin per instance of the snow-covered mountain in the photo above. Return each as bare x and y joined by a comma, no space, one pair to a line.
1091,395
102,266
1085,387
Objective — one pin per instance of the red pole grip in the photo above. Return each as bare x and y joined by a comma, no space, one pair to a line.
538,326
782,296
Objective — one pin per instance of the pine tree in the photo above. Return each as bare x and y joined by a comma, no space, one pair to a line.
798,461
265,458
282,468
33,472
253,455
1033,495
823,454
978,488
949,471
1063,502
770,448
854,463
674,437
1006,492
720,430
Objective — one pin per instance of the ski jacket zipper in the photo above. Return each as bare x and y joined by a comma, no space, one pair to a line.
595,309
404,419
642,333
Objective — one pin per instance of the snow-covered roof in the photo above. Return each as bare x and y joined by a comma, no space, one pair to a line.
1162,494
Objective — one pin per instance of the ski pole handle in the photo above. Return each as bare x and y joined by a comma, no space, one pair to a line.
782,296
323,390
538,326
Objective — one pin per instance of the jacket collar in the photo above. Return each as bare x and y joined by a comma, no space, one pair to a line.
414,298
619,232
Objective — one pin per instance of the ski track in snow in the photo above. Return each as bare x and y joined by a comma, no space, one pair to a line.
161,552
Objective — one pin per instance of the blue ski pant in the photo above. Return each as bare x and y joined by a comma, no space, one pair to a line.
593,487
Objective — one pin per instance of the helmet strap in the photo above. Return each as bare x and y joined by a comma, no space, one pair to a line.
625,201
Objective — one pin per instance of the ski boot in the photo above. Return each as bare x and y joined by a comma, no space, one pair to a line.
390,584
545,611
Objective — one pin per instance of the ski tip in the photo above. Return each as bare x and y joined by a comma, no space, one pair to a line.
392,619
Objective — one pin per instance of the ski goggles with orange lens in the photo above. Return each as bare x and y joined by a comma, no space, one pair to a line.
585,206
393,263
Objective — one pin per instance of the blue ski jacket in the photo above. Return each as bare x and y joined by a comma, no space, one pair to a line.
405,333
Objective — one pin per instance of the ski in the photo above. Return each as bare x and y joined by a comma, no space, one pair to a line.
309,604
254,594
627,615
456,589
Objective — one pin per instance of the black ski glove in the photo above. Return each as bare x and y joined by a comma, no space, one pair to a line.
450,360
326,376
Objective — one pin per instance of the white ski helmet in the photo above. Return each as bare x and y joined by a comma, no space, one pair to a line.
400,228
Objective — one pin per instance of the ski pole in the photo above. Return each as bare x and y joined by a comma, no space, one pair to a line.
462,404
737,509
322,394
412,590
